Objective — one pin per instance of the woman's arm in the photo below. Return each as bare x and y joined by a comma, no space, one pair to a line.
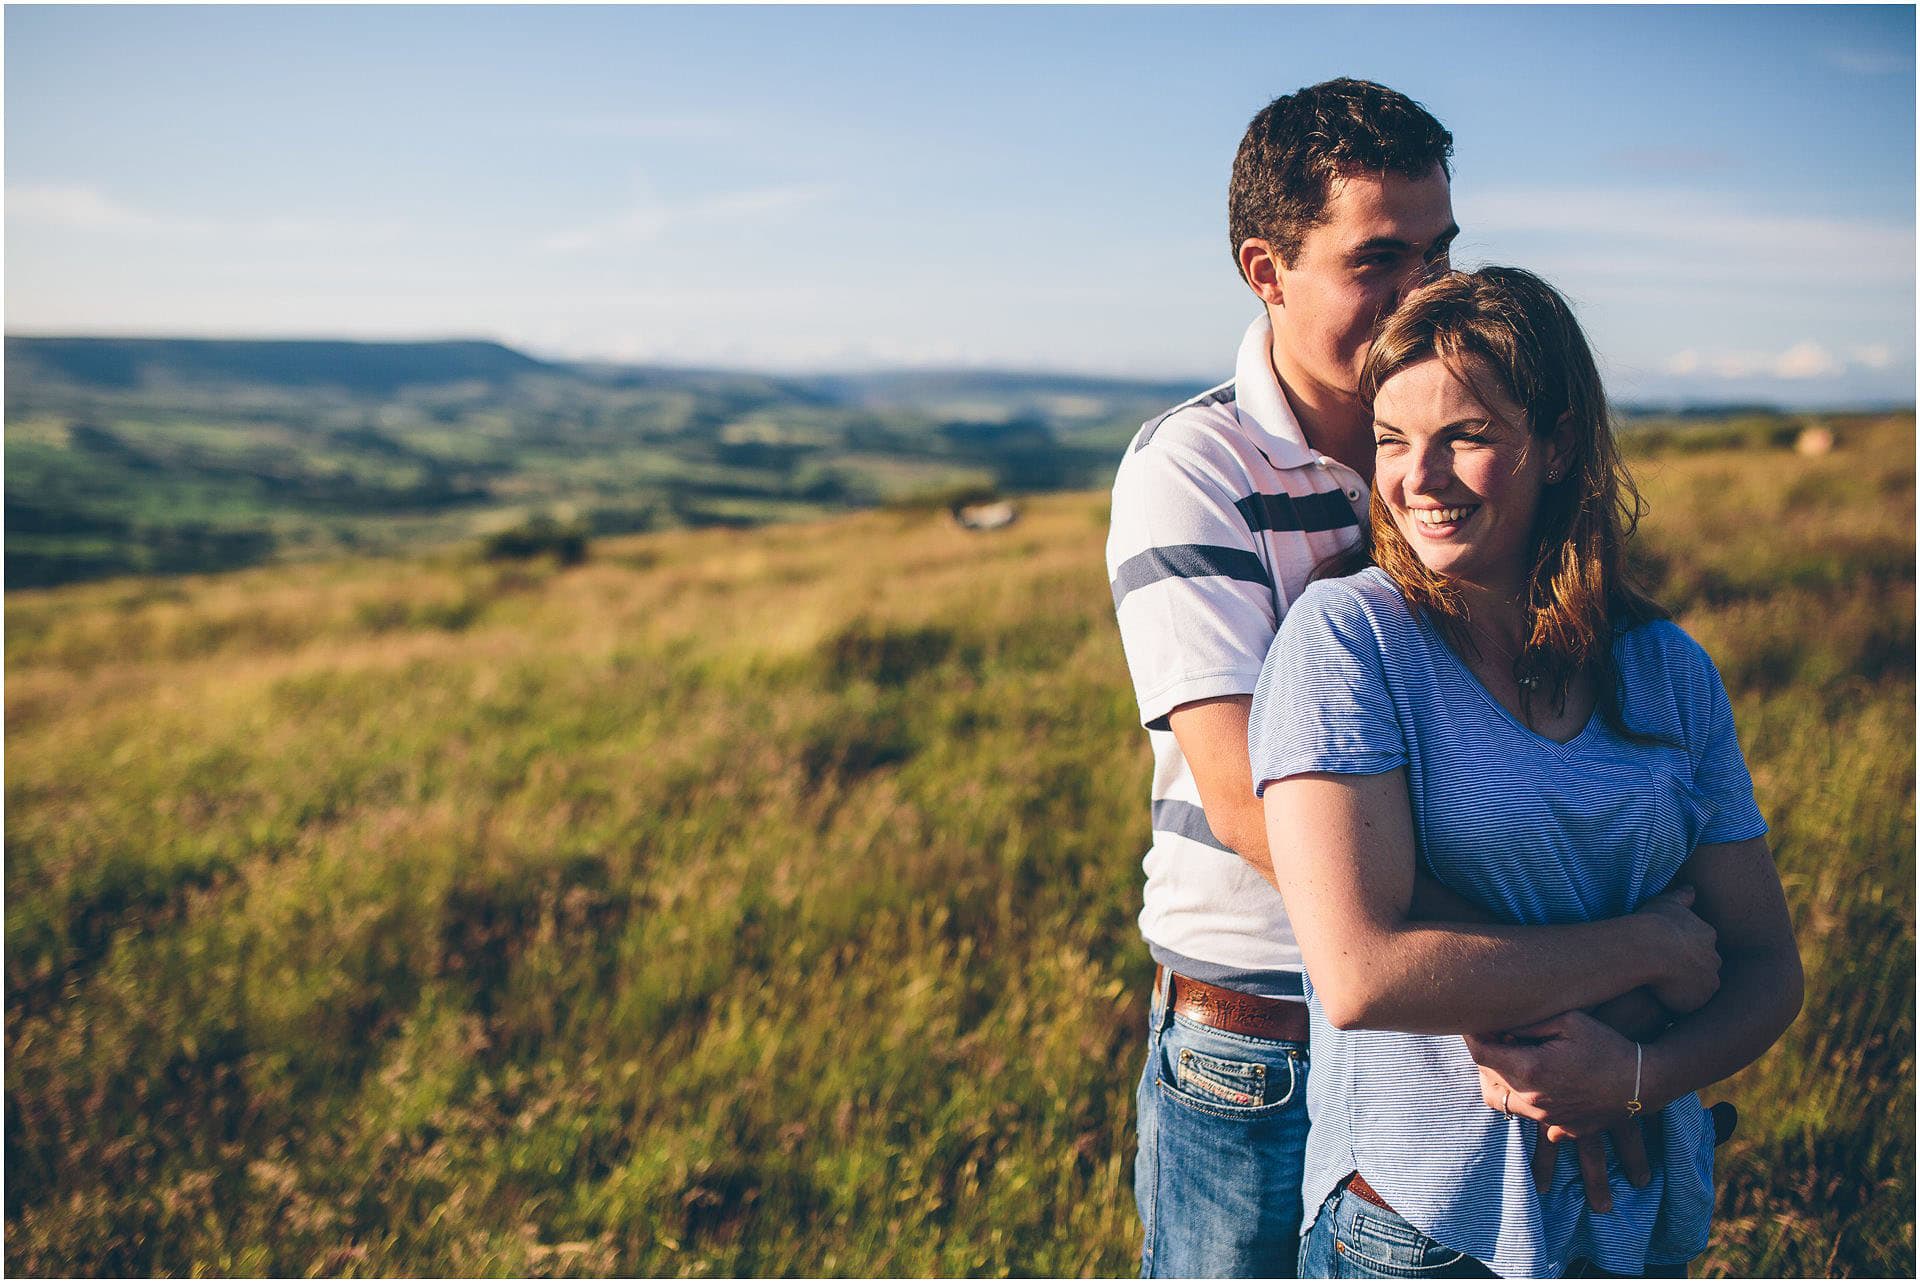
1573,1078
1637,1014
1348,880
1213,738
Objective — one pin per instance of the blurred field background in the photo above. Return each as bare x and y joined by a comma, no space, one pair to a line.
168,456
760,902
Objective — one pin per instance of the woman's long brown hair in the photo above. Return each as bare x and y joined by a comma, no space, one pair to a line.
1511,325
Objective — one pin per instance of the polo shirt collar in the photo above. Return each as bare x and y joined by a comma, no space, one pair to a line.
1261,405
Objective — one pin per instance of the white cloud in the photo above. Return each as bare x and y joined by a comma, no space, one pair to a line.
82,208
641,224
1678,234
649,220
1868,62
1807,359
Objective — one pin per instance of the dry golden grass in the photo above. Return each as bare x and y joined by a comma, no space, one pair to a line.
761,902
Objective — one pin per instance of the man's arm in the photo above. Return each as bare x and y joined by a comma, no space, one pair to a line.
1213,738
1762,983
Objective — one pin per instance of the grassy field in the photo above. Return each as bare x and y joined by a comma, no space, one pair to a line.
761,902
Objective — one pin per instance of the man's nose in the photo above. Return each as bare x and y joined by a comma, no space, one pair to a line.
1416,276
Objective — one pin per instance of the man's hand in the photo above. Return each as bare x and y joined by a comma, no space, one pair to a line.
1591,1151
1692,973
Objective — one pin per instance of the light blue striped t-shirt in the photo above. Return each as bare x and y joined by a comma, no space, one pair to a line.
1537,832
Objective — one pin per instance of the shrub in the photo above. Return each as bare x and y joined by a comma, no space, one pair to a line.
536,537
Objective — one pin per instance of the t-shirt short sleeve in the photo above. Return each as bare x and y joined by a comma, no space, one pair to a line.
1194,597
1322,701
1720,770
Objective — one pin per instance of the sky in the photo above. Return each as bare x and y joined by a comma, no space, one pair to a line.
1725,193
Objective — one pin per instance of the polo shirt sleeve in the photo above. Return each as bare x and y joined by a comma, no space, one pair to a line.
1193,593
1720,769
1322,702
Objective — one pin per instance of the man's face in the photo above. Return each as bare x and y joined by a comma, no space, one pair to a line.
1382,235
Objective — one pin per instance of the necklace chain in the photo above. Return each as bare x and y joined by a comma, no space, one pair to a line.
1512,656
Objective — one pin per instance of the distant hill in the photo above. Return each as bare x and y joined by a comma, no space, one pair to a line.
923,388
372,369
151,455
382,369
145,455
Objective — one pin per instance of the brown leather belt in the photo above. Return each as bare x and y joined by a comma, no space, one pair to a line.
1367,1193
1281,1019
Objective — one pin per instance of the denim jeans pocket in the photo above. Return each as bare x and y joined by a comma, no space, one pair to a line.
1372,1243
1229,1075
1236,1082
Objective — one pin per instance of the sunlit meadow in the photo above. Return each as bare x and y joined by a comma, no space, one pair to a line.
761,902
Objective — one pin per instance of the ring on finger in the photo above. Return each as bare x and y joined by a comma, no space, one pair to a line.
1505,1101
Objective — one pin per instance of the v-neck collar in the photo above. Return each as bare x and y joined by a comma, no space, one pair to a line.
1467,675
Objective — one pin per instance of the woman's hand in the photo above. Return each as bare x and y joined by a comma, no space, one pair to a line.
1637,1015
1687,947
1571,1074
1549,1081
1629,1145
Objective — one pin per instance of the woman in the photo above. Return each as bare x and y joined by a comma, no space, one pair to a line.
1492,699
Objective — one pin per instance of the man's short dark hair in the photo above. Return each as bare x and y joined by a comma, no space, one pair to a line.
1299,144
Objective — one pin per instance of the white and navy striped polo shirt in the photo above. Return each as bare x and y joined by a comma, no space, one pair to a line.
1221,511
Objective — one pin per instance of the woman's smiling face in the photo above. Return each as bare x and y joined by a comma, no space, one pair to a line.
1459,473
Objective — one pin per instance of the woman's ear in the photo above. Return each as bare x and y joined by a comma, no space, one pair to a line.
1560,448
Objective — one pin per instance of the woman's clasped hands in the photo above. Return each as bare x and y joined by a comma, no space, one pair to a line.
1575,1073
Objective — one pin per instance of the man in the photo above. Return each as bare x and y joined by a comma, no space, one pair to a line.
1222,508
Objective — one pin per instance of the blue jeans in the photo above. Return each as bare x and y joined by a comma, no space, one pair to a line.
1354,1239
1223,1140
